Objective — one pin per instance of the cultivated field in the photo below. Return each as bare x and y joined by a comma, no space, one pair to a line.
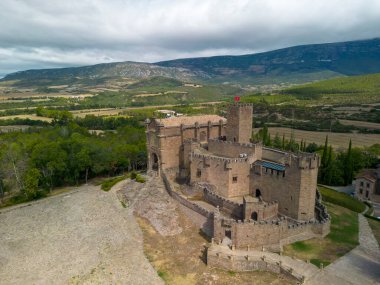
337,140
30,117
361,124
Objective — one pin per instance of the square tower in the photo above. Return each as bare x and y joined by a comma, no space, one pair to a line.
239,123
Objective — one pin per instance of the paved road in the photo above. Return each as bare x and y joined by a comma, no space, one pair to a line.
83,237
376,208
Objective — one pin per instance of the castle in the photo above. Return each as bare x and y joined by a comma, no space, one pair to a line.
238,192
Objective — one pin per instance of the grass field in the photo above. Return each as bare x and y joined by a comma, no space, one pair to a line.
341,199
337,140
342,238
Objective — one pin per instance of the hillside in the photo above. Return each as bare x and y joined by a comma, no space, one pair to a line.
298,64
351,90
354,86
293,64
106,70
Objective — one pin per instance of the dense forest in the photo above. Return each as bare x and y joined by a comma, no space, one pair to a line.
38,159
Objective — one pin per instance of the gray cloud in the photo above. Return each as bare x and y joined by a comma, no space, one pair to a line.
39,33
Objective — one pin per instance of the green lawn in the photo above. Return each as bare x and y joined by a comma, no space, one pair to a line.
341,199
343,237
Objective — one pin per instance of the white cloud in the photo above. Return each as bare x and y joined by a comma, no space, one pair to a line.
39,33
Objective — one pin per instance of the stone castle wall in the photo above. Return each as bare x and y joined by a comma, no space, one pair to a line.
226,206
167,142
294,189
263,210
273,234
230,176
239,123
233,149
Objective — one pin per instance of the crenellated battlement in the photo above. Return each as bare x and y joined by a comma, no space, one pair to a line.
218,158
253,145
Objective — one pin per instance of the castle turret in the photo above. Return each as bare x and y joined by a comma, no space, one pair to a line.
239,123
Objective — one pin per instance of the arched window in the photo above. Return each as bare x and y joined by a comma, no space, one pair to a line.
254,216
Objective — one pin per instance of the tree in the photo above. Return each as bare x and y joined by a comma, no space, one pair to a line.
32,179
277,142
348,166
329,168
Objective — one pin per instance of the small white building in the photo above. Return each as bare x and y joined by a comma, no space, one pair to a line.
367,185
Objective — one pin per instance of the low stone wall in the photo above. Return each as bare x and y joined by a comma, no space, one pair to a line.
201,217
229,261
227,206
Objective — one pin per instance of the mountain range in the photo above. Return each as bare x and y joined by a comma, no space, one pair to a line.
292,65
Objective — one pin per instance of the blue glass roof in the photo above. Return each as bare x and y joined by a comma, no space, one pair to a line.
271,165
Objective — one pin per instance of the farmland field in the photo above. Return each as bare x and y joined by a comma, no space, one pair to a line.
361,124
337,140
30,117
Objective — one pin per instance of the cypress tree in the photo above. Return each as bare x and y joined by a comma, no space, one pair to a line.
283,141
349,165
322,169
329,168
325,153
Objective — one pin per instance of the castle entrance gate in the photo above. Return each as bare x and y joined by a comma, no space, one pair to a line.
155,163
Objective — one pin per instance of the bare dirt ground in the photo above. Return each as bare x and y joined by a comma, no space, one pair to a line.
172,243
81,237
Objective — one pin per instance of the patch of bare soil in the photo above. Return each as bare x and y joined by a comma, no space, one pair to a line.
80,237
151,201
180,257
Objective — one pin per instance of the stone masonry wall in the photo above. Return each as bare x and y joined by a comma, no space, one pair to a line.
228,207
230,176
231,149
294,191
239,123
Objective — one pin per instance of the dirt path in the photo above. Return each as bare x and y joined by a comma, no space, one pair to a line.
81,237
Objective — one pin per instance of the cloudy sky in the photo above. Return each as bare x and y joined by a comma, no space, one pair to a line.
56,33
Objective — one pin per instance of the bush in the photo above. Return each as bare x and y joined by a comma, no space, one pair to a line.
109,183
341,199
140,179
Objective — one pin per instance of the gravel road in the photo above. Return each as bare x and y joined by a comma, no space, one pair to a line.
81,237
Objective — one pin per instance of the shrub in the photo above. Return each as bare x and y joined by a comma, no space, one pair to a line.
109,183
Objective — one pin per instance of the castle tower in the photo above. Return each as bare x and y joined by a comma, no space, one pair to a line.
239,123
